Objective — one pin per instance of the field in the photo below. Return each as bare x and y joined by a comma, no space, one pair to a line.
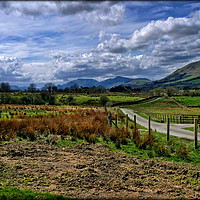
188,101
161,109
83,99
72,151
79,99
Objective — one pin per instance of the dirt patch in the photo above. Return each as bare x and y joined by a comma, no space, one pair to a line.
94,172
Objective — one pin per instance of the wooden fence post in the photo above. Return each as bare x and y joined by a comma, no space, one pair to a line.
195,134
167,129
106,110
110,120
135,122
127,122
149,125
116,120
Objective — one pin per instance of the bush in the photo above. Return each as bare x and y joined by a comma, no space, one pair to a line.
103,100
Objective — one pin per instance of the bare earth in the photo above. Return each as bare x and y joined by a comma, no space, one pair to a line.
94,172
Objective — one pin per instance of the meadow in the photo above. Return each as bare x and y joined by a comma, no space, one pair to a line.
54,124
93,99
163,108
188,100
26,129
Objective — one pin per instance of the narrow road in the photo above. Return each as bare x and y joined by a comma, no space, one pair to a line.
175,129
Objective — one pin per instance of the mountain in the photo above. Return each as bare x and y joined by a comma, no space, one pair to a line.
80,82
112,82
183,78
137,82
108,83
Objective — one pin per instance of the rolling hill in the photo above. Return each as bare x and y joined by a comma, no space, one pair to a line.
187,77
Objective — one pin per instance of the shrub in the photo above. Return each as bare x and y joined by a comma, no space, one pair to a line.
182,152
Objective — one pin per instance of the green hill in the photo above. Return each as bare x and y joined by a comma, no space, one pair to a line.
185,77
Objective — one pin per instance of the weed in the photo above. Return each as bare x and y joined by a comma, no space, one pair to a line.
182,152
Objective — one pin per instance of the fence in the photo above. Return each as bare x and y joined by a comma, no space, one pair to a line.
178,119
182,119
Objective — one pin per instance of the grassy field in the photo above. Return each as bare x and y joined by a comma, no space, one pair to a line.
14,193
188,101
83,99
163,108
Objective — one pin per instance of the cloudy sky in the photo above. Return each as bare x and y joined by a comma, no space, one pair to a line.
42,42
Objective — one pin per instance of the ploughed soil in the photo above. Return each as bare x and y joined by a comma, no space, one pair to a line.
93,171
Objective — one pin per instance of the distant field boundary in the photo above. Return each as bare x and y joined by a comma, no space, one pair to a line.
135,102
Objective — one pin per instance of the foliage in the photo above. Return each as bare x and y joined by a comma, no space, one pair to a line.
70,99
5,87
32,87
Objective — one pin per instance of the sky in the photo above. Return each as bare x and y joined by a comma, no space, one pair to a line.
47,41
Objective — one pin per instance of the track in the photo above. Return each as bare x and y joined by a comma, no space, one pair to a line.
175,129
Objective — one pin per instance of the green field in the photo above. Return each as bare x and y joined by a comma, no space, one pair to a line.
188,101
163,108
84,99
13,193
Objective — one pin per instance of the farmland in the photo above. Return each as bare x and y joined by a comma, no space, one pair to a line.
45,98
72,151
163,108
188,101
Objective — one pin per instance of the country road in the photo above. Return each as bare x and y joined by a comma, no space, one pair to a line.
175,129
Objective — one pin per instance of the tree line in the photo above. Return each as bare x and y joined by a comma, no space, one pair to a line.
47,94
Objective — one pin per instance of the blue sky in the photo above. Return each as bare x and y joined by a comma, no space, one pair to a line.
57,42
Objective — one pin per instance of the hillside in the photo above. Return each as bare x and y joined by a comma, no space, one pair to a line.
113,82
137,82
183,78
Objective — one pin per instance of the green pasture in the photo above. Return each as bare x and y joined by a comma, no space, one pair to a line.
84,99
163,108
187,100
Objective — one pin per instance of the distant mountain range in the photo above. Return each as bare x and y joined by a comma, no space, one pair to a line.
108,83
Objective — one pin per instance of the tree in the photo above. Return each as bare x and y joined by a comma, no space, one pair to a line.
70,99
50,87
157,91
171,91
32,87
103,100
5,87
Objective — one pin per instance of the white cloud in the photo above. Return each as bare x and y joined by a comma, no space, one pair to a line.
170,29
96,65
9,65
